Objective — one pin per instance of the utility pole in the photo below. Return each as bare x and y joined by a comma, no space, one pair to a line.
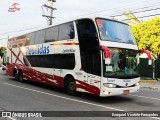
50,17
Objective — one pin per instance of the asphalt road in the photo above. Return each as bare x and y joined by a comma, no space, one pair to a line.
29,96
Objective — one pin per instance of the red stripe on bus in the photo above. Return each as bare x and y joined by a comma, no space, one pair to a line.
65,44
18,56
15,55
55,80
90,88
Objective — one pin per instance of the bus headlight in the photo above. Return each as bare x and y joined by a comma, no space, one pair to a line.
137,84
109,85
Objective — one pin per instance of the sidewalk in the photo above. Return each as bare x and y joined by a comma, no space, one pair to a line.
154,85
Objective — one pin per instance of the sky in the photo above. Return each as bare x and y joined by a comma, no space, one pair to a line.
29,18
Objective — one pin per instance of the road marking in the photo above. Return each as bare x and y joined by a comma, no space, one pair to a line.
80,101
145,97
63,97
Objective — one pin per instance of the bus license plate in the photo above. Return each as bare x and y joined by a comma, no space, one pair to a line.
125,91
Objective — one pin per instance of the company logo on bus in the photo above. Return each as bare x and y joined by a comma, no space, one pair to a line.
111,81
37,50
15,7
68,50
126,80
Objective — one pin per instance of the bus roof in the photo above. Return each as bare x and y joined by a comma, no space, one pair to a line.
70,20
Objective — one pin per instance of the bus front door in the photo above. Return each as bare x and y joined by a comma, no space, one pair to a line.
92,70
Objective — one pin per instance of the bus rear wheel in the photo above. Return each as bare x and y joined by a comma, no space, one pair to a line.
70,86
15,74
20,76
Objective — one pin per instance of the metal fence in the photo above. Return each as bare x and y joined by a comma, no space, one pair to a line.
145,70
149,71
157,69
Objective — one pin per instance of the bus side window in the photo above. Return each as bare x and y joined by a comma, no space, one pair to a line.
91,62
84,60
87,34
94,63
51,34
64,61
30,38
66,31
39,38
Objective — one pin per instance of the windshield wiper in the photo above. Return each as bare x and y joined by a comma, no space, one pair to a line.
116,72
118,39
130,41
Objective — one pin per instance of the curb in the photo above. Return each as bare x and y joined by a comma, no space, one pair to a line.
152,88
148,81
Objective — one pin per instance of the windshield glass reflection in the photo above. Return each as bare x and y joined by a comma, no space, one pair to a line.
124,64
115,31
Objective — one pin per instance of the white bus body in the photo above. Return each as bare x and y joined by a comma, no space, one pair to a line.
69,56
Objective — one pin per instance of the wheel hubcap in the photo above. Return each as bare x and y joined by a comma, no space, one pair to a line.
72,86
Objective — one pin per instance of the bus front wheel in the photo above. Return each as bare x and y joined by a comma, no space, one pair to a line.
70,86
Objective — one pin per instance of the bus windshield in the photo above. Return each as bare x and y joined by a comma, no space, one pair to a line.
123,65
115,31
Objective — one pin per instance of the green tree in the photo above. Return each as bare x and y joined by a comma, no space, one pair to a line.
2,49
147,35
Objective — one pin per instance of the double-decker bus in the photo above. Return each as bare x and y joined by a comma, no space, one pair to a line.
93,55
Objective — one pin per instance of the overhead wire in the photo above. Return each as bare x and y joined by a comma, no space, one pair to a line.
113,10
140,8
3,38
120,8
120,12
141,17
153,3
137,11
9,32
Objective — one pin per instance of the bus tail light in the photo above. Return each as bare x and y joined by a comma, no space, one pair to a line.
109,85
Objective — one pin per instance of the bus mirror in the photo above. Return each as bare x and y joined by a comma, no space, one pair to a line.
148,54
107,54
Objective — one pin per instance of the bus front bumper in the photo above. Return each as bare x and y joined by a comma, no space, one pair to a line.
119,91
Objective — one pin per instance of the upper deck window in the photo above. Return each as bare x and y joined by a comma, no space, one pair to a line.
115,31
51,34
39,38
30,38
66,31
